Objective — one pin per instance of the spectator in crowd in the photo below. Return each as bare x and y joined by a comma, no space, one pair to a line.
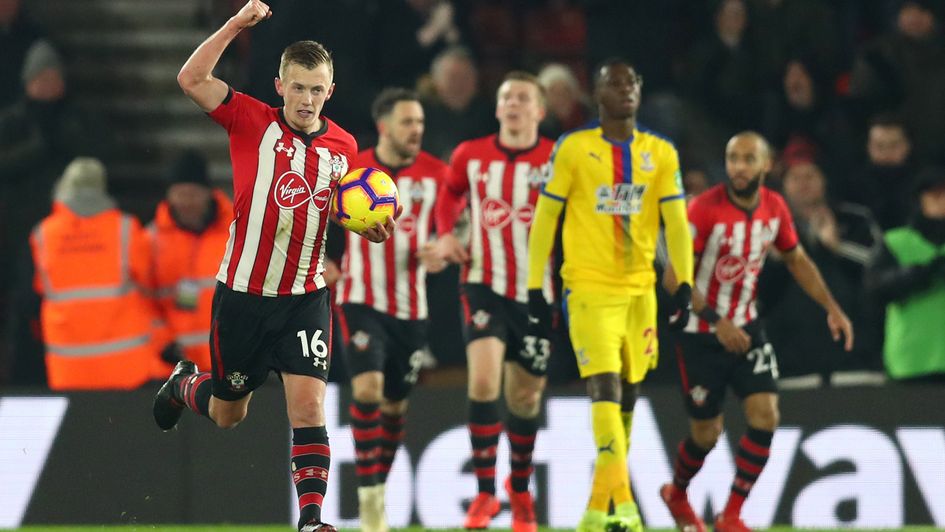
724,71
17,35
839,238
908,276
808,28
188,239
884,184
904,70
39,134
568,106
91,261
454,108
421,29
805,109
695,181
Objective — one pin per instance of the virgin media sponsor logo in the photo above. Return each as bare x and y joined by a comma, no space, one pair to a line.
292,190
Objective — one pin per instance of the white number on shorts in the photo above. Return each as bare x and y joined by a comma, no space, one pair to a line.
316,347
764,360
538,350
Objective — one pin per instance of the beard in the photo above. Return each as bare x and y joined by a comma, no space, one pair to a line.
749,191
404,150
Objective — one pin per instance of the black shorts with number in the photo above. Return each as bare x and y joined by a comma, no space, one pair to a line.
706,369
252,335
378,342
488,314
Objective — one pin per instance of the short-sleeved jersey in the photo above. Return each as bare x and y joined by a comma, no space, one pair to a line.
612,191
731,244
283,180
388,276
503,186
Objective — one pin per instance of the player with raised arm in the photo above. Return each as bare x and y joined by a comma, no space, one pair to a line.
723,345
383,299
501,175
271,307
614,180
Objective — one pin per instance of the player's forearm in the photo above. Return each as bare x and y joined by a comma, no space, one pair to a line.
807,275
541,239
678,239
448,207
199,67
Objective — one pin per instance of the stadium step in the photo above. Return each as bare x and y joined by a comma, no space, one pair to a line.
122,58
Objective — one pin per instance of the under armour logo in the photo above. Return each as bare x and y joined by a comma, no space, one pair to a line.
607,448
289,151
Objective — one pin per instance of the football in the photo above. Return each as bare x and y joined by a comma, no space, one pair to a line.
363,197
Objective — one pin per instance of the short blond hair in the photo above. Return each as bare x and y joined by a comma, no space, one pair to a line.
308,54
527,77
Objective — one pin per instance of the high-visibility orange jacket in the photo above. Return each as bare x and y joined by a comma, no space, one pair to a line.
96,320
185,266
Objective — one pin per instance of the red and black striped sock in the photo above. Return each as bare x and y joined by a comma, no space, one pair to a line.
392,434
689,460
521,433
484,430
311,458
194,392
750,460
366,428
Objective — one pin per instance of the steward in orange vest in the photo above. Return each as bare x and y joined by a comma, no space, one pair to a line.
188,239
90,261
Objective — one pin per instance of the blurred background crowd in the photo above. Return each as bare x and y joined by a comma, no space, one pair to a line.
851,94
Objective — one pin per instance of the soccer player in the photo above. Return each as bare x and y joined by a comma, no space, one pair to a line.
383,299
501,175
271,307
736,224
614,180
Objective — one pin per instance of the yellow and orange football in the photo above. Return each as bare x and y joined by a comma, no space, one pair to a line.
364,197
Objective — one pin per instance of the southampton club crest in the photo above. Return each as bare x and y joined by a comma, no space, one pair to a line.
361,340
338,167
481,319
237,381
699,395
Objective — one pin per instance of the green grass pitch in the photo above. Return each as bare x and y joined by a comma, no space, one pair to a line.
280,528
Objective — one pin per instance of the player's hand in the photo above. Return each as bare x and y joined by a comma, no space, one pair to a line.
733,338
449,249
536,345
379,233
840,325
252,13
430,259
682,307
332,273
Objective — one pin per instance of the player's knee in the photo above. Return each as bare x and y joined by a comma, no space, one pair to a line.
483,388
707,434
765,418
604,387
229,418
524,403
368,394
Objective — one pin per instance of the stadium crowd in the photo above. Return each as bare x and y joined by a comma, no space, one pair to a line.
850,94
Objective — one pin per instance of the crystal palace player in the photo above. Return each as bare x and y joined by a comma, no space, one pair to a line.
723,345
615,181
271,307
383,299
501,174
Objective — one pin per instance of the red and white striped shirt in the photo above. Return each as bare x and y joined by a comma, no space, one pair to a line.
388,277
503,186
282,183
732,244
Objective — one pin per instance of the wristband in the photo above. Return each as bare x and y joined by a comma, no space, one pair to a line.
709,314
